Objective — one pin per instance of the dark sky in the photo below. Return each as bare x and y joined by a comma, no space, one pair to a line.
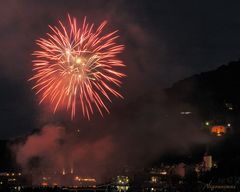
165,41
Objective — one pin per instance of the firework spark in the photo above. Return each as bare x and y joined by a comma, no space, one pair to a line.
77,67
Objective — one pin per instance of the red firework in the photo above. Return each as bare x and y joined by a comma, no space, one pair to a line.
77,66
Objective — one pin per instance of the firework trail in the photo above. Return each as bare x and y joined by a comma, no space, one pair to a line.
77,67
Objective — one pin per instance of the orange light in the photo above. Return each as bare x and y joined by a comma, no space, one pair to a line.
44,184
218,130
77,178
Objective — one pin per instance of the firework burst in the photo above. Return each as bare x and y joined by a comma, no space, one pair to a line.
77,67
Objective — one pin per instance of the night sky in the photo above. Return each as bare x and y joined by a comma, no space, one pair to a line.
165,42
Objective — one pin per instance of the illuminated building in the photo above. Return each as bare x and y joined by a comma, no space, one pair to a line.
218,130
84,182
207,162
11,180
65,180
185,113
156,178
218,127
229,106
122,183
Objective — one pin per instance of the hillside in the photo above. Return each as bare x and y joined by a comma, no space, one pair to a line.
214,94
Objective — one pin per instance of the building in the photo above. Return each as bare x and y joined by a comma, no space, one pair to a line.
12,180
121,183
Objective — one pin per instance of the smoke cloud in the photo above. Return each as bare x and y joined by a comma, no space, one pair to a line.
54,150
134,137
